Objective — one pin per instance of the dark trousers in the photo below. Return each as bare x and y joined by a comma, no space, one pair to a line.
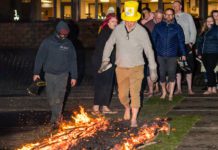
167,66
104,83
210,61
55,89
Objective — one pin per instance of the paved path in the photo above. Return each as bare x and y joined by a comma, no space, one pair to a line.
204,135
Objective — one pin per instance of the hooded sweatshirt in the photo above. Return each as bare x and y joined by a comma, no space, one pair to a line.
56,55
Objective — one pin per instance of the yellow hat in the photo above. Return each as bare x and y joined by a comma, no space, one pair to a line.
131,11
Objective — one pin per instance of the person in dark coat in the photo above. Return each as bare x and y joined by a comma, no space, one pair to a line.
169,42
208,52
158,17
57,57
104,82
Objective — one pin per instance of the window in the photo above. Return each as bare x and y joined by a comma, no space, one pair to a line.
104,6
212,5
153,5
192,7
47,11
87,8
63,9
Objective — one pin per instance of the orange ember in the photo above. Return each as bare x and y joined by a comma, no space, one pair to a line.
146,134
82,126
71,132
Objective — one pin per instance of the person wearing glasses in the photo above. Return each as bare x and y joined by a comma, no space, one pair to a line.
131,41
169,42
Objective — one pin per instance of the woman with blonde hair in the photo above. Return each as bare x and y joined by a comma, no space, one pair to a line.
208,52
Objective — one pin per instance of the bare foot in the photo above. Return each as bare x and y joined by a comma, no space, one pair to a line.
106,110
207,93
178,92
134,124
214,90
163,96
190,92
170,98
127,114
150,95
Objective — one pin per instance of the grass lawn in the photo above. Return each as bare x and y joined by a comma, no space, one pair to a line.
182,125
155,107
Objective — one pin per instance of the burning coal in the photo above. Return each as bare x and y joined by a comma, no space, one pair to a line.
70,133
79,133
146,134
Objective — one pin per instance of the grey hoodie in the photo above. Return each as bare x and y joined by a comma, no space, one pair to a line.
57,56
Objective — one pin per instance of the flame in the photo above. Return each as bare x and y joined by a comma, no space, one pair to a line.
82,126
82,117
70,133
147,134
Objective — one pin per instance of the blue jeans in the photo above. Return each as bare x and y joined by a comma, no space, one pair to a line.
55,89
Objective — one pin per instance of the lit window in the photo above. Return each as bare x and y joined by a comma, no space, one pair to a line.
212,5
47,9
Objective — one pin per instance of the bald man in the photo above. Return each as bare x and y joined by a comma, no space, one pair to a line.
186,21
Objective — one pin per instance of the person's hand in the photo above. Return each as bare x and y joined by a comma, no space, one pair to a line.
183,58
190,45
105,65
36,77
73,82
199,56
153,75
143,21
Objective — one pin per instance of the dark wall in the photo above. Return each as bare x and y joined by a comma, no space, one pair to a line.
5,10
30,35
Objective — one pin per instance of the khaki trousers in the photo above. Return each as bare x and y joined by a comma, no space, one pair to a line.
129,81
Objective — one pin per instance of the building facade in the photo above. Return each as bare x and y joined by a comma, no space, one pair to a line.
44,10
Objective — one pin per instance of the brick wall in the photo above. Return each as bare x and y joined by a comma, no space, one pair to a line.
30,35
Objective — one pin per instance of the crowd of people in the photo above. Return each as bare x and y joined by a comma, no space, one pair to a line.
143,45
170,43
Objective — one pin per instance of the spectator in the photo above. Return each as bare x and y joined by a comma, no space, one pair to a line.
208,51
110,10
104,82
131,40
147,15
214,14
57,57
186,21
158,17
168,39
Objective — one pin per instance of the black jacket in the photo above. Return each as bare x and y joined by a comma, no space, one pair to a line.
99,48
169,40
56,56
208,42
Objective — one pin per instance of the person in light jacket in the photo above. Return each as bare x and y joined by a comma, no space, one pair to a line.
131,41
